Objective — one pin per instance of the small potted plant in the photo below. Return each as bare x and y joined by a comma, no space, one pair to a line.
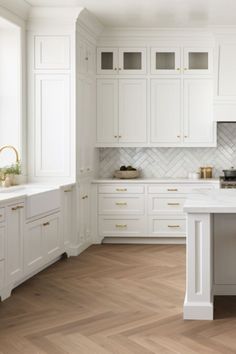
10,174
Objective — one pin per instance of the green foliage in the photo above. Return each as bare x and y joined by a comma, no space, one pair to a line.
14,169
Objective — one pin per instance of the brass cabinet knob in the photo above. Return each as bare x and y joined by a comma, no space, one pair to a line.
46,223
178,136
84,197
186,136
120,136
115,136
178,68
115,68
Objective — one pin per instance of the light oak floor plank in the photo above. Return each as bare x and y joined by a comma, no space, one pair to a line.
113,299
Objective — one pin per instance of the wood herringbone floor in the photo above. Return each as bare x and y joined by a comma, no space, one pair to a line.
113,299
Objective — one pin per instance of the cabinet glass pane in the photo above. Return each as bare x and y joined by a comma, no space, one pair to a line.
198,61
165,61
132,61
107,60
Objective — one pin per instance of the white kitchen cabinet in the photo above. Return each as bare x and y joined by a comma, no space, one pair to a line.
52,234
107,60
132,61
34,247
68,211
107,110
198,60
132,111
121,61
15,233
121,111
42,242
85,57
86,131
52,52
165,60
2,243
52,117
198,111
167,226
166,111
84,211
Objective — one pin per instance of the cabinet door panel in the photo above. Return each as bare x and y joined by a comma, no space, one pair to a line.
165,60
107,111
52,52
68,213
2,243
227,70
198,111
107,61
14,256
52,125
33,247
52,237
166,110
132,111
132,61
86,125
198,60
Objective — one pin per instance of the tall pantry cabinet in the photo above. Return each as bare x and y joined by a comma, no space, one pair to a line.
61,87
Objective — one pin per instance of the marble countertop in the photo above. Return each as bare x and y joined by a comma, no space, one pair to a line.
211,201
156,180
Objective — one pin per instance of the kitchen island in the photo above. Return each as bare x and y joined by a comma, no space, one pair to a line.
211,248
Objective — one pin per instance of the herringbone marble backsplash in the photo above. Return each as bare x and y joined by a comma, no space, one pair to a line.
173,162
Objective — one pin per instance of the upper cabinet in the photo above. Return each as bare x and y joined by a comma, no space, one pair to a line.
51,52
198,60
177,61
121,111
165,61
121,61
86,58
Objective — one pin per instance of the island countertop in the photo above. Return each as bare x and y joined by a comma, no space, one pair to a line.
211,201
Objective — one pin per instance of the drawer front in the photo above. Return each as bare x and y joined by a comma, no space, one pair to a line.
112,204
122,226
165,204
2,214
120,188
2,243
177,188
2,274
171,227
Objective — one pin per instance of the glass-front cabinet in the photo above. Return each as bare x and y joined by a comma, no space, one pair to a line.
165,61
121,61
198,61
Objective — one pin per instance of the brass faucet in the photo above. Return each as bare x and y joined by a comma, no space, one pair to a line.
13,148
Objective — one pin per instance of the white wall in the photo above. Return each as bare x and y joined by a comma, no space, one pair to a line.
10,93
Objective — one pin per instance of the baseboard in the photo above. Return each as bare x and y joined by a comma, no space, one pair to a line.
224,289
145,240
198,311
73,251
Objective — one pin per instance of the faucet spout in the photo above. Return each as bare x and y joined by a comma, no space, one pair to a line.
12,148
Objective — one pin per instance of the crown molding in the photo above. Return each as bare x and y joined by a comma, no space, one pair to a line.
90,23
15,8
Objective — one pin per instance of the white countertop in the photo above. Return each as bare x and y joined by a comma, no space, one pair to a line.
211,201
156,180
25,190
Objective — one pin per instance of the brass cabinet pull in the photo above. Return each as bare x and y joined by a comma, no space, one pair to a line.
186,136
84,197
67,190
121,225
172,190
17,207
178,136
121,203
173,203
115,68
121,189
46,223
120,136
115,136
174,226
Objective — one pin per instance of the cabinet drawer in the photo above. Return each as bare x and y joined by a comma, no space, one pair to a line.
2,273
2,243
123,226
177,188
2,214
162,203
167,227
112,204
120,188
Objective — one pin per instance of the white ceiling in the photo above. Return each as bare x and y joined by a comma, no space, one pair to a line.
155,13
